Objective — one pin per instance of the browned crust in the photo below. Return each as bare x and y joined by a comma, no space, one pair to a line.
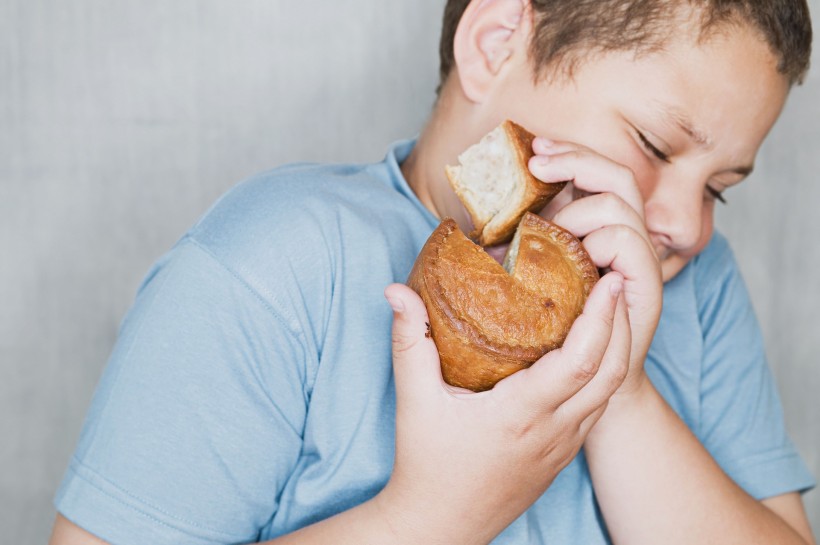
572,248
487,324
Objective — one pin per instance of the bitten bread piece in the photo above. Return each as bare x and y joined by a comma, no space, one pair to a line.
488,323
495,185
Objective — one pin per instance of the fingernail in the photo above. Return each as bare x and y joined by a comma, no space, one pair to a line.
396,304
541,160
544,142
616,289
551,173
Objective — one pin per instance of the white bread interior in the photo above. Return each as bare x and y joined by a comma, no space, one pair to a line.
495,185
487,179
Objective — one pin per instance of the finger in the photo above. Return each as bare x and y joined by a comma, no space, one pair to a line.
561,373
416,366
594,212
547,146
589,171
611,374
622,249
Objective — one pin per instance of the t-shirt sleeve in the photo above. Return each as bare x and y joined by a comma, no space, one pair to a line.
742,421
197,421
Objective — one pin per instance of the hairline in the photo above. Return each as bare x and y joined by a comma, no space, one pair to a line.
703,22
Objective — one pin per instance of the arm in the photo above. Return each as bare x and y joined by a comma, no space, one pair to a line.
788,507
653,478
480,459
670,482
362,524
740,420
66,532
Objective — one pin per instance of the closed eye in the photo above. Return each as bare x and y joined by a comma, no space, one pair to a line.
652,149
715,194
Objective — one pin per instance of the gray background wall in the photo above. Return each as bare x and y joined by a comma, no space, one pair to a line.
121,121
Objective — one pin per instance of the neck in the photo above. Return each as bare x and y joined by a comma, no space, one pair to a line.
451,129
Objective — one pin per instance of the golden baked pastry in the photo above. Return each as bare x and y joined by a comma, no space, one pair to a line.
488,320
495,184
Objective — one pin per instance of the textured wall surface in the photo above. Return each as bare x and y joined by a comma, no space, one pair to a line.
120,122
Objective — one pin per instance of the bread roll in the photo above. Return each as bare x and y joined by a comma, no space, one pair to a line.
495,185
490,321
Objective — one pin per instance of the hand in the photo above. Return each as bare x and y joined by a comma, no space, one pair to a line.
610,220
467,464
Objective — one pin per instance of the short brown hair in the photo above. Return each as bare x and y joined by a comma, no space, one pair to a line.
565,30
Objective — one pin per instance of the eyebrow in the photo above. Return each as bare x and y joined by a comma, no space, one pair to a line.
677,118
684,123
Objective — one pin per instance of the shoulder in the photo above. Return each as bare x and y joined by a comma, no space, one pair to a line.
292,234
301,216
303,199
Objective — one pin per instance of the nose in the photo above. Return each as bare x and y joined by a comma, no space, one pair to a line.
674,215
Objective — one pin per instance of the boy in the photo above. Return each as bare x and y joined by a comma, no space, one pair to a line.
251,396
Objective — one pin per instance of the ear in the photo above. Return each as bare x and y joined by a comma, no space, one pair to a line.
489,33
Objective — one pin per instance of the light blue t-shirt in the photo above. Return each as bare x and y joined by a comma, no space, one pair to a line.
250,392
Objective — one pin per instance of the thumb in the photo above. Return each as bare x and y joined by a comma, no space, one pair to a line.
415,359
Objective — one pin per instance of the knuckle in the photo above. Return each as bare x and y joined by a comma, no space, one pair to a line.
617,374
576,154
606,320
626,174
573,155
584,370
520,418
614,205
624,233
403,343
520,428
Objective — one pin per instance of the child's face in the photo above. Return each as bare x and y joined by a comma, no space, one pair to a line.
704,108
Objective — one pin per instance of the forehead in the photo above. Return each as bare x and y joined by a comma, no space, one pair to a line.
723,87
727,83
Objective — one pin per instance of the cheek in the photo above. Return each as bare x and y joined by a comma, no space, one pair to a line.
708,224
707,227
676,261
646,177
